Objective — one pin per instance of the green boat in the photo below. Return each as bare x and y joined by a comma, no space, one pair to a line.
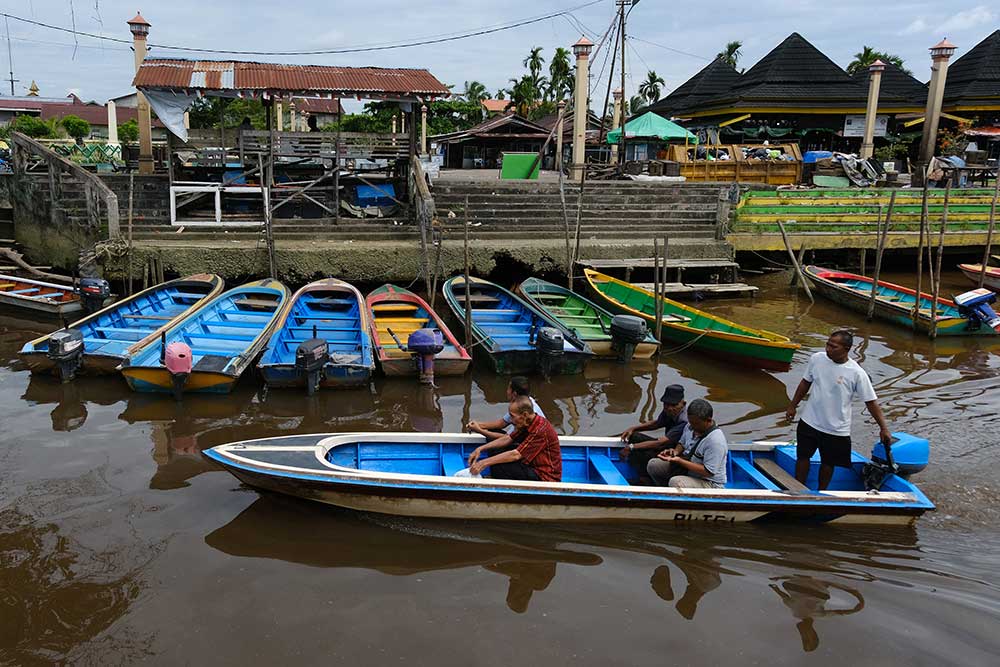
590,322
687,326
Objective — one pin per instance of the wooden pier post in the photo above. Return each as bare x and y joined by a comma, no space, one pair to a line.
579,211
656,288
940,251
795,262
569,249
881,250
989,232
864,256
468,302
663,287
920,255
131,185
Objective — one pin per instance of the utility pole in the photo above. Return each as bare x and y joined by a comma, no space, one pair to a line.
10,57
622,15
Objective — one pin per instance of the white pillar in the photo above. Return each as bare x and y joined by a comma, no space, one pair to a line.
940,53
871,111
187,120
616,121
561,108
139,28
291,117
112,123
423,129
582,50
279,115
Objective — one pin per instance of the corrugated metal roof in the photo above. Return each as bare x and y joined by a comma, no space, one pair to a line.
252,76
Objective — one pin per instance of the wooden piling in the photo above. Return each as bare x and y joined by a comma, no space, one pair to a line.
940,252
579,212
663,287
656,287
468,302
881,250
131,185
989,232
864,257
920,255
795,262
569,249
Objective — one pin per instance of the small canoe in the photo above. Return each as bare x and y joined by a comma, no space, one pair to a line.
590,322
687,326
225,336
893,303
395,314
991,280
330,310
412,474
507,329
112,334
41,298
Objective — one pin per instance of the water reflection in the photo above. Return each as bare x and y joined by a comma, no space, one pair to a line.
70,399
809,598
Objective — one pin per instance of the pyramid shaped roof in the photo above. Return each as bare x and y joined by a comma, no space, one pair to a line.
896,82
711,81
974,79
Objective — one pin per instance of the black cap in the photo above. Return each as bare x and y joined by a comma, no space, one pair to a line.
673,394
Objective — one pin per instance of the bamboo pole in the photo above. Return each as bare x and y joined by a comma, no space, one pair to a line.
881,250
131,185
468,302
569,249
802,255
663,288
940,252
795,262
920,255
579,212
989,232
656,287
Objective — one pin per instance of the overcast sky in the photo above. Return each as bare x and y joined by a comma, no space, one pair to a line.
674,38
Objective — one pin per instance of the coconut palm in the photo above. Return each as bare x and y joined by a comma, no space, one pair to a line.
560,75
731,54
650,88
523,95
475,92
635,104
864,58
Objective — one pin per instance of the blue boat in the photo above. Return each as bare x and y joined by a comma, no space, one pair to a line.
413,474
111,334
516,336
322,340
222,339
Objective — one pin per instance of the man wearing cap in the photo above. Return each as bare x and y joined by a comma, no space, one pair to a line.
642,448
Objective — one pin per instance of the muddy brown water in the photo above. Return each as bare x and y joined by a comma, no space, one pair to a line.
120,543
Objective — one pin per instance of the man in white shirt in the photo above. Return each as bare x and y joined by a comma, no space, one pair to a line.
835,380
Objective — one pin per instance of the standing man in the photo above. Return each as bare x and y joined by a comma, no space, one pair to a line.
518,386
536,458
835,380
642,448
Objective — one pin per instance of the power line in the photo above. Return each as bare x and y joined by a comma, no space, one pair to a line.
357,49
670,48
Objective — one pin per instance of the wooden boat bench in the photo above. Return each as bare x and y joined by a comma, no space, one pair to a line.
393,307
607,470
111,331
165,318
191,296
227,338
29,290
477,298
237,311
331,302
452,463
255,303
752,473
774,472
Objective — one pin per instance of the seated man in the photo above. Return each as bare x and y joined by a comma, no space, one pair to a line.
642,448
703,464
536,457
518,386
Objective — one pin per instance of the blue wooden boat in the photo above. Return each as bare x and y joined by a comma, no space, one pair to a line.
224,338
516,336
112,334
412,474
332,314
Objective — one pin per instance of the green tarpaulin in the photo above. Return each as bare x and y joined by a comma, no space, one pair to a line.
651,126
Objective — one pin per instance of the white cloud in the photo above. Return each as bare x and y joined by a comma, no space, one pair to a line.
916,26
969,18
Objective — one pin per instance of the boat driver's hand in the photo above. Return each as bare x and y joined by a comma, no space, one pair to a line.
885,437
627,433
790,412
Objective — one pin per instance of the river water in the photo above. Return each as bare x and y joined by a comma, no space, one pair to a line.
119,542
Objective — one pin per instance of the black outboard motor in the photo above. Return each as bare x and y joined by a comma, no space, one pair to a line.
424,344
66,350
627,331
93,293
310,358
550,344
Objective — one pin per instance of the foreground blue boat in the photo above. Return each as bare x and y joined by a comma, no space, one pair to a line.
110,335
213,345
412,474
516,336
322,340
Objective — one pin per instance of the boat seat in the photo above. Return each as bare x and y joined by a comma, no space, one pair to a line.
774,472
330,302
752,472
227,338
607,470
6,285
256,303
24,291
210,362
236,311
187,295
165,318
451,463
393,307
233,324
326,318
107,331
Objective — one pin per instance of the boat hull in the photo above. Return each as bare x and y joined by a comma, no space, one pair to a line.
60,300
335,376
158,380
991,280
525,362
39,363
443,366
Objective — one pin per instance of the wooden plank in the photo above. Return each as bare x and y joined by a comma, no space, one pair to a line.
647,262
778,475
256,303
148,317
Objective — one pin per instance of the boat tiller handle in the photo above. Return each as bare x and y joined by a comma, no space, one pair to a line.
395,338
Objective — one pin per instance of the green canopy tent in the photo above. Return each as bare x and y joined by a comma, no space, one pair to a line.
651,126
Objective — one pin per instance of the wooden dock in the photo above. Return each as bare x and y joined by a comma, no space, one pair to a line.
724,265
704,290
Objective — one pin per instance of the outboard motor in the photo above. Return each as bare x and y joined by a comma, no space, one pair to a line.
550,344
907,456
627,331
975,306
93,293
177,360
66,350
310,357
423,344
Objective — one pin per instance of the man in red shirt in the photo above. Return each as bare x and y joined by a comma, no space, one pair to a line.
537,456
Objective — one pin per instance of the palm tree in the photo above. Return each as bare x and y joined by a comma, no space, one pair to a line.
731,54
650,88
523,95
534,62
864,58
560,75
635,103
476,92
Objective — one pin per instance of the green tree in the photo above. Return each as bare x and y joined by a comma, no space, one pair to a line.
560,75
523,95
128,132
731,53
864,58
208,112
650,88
34,127
475,92
635,104
75,127
501,94
534,62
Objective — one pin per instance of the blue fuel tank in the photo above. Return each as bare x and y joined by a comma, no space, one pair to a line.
909,452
